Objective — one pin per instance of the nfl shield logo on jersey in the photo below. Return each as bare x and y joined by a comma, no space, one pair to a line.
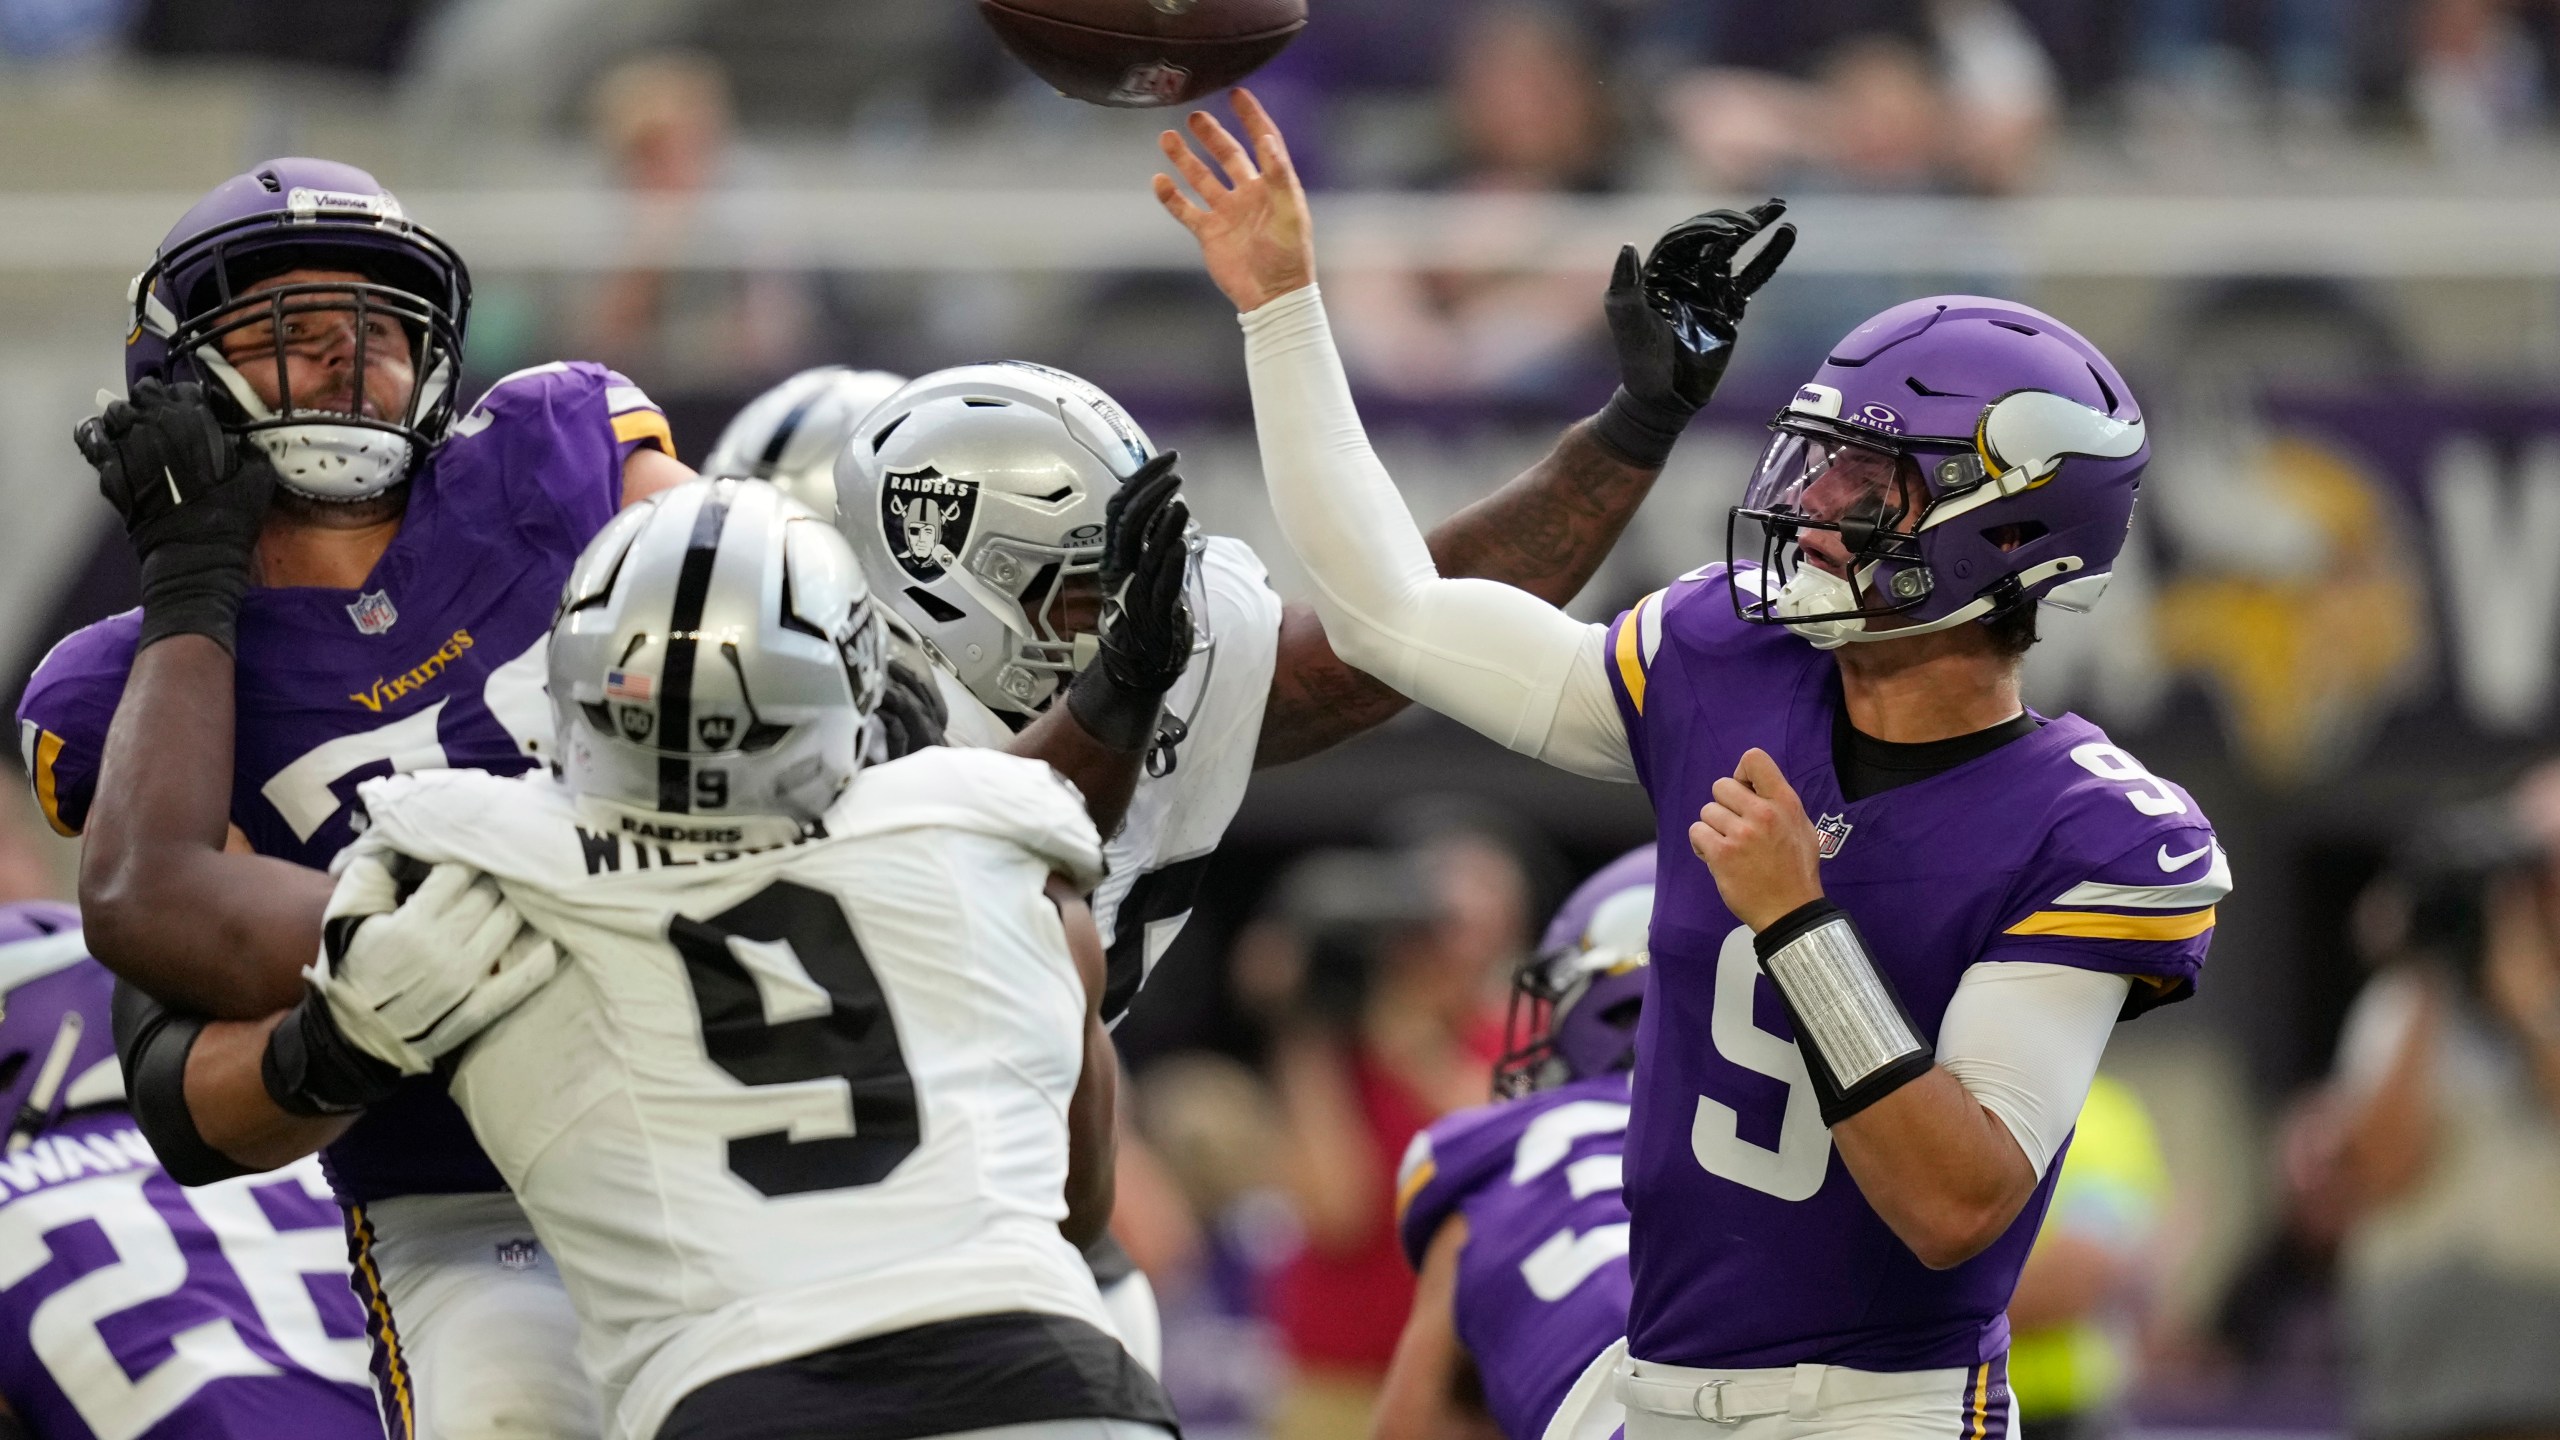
926,515
518,1254
1834,830
373,612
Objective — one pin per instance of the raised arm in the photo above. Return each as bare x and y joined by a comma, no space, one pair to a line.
166,904
1498,657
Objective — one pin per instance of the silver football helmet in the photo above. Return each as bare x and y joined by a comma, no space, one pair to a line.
972,497
716,654
792,433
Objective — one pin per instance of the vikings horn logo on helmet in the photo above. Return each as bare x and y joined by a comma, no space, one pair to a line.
926,516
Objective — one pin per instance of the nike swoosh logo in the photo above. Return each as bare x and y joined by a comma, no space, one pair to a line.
2181,862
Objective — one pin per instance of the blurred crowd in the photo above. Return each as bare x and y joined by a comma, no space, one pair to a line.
679,101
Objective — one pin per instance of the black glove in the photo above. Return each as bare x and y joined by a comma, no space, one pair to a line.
312,1069
1146,622
911,713
1674,323
191,506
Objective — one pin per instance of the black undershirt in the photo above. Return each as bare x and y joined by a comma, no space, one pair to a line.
1869,767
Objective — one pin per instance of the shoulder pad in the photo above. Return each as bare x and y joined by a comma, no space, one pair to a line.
986,792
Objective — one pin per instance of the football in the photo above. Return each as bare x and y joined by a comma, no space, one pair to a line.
1136,54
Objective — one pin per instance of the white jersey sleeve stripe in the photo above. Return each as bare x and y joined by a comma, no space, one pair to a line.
2193,895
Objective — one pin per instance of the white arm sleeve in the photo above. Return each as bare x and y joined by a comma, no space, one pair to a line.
1494,658
2024,1040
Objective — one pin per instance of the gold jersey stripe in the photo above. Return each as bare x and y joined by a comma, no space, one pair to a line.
1412,1186
48,750
2099,925
1631,651
633,425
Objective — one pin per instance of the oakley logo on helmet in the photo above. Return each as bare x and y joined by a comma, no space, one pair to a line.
1881,417
926,516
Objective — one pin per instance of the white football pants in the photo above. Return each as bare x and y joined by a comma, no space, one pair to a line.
1815,1402
473,1335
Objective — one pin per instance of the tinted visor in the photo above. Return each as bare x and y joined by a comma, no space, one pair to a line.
1833,481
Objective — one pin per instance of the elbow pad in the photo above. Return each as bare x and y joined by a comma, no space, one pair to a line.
1859,1043
152,1044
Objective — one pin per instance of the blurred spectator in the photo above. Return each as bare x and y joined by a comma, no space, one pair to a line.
1213,1126
2448,1083
1530,117
2080,1299
42,31
663,123
1395,1025
364,36
2189,68
1961,103
2478,80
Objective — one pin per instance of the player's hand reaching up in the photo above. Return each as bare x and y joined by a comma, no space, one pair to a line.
1673,321
1146,616
191,505
1252,222
1758,843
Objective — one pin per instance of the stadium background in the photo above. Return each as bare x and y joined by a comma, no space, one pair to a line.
2322,240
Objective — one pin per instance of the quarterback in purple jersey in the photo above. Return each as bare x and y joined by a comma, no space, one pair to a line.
130,1308
1898,913
1510,1213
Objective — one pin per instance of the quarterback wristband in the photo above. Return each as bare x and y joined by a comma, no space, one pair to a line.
1858,1042
311,1069
1640,432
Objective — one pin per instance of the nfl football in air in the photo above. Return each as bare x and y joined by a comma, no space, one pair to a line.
1136,54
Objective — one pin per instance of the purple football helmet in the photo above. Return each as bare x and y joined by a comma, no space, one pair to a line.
1574,1003
294,214
1955,458
57,1035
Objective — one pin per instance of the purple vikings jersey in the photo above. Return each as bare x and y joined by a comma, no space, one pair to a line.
133,1309
436,662
1754,1247
1542,1280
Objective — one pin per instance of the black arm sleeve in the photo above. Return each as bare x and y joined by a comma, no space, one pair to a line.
152,1043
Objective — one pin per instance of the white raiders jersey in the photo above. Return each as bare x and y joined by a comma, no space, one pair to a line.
1176,819
780,1098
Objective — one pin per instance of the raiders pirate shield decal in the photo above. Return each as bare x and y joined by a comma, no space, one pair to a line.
926,515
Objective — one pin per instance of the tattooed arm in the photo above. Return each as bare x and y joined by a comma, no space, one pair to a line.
1672,321
1546,532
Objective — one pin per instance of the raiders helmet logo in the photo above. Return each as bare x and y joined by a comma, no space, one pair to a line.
926,516
716,731
637,722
